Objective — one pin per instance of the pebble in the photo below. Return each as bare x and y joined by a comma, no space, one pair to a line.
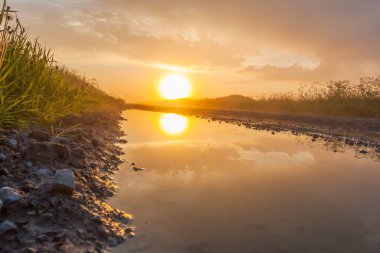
29,164
9,195
112,242
47,216
42,238
2,157
7,226
1,204
12,143
129,230
64,181
137,168
131,234
44,172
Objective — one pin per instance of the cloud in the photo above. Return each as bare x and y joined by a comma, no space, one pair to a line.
292,73
295,40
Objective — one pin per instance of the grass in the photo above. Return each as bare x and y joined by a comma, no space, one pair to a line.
33,89
336,98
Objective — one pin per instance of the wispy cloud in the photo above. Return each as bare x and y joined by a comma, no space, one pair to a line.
295,40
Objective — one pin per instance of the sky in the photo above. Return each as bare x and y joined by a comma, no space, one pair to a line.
224,47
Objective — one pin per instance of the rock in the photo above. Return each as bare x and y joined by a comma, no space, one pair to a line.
44,172
78,158
64,181
35,150
363,152
24,136
122,141
129,230
112,242
39,135
131,234
93,165
137,168
12,143
4,171
9,195
133,163
29,164
78,153
47,216
42,237
7,226
81,233
2,157
1,204
60,151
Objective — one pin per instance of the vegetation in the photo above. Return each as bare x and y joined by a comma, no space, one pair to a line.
337,98
33,89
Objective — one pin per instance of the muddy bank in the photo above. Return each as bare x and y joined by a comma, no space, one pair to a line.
54,183
337,133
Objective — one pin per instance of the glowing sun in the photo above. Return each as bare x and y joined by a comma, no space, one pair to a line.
173,124
174,86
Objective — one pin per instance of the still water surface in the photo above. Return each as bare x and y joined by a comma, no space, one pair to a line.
211,187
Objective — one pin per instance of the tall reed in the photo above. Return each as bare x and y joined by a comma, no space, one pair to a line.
338,98
33,89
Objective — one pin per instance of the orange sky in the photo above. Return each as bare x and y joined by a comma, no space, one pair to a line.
224,47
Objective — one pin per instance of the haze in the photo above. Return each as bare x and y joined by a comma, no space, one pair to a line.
224,47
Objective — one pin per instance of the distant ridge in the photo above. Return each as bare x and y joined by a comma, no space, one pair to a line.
238,102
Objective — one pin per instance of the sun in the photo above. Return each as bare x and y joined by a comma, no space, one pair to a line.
173,124
174,86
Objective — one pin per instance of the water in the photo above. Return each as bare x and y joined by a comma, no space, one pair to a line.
211,187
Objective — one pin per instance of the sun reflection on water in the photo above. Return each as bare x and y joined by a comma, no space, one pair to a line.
173,124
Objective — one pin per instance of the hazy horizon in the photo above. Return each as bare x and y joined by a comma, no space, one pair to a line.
223,48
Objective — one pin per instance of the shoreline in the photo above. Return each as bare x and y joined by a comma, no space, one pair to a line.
54,185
